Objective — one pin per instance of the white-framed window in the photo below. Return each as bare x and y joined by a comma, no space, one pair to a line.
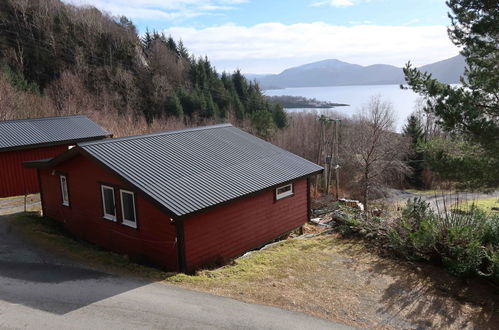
64,190
284,191
108,203
128,213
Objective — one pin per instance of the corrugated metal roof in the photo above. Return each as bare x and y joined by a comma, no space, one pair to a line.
190,170
42,131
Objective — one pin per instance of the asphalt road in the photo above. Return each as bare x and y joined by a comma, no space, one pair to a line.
439,201
40,290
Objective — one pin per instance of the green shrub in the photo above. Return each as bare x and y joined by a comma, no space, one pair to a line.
494,265
414,236
466,243
348,222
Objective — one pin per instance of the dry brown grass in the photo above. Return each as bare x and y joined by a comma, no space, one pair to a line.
342,280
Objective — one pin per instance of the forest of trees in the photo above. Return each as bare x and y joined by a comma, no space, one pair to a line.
57,51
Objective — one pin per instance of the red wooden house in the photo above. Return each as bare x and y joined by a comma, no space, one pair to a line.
31,139
182,199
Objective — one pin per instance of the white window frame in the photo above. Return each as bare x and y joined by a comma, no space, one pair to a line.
64,186
128,222
284,194
107,216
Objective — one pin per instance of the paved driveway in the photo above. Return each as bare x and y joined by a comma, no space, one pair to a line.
43,291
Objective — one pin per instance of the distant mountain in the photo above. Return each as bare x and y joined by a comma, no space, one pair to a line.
447,71
336,73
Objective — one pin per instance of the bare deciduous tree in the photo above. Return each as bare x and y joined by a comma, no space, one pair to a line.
376,150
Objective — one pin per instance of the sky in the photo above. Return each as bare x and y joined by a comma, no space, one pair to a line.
268,36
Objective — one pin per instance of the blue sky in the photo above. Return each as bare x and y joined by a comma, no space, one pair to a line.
260,36
379,12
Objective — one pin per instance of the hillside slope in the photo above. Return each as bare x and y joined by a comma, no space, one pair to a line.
79,58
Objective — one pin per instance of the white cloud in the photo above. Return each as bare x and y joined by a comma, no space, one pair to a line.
333,3
160,9
272,47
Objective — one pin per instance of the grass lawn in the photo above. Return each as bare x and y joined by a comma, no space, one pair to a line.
326,276
485,204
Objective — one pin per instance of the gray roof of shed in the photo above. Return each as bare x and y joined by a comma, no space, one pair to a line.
190,170
23,133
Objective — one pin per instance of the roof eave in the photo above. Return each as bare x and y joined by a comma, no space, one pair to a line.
51,162
57,143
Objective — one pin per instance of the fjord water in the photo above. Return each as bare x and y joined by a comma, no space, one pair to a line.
403,100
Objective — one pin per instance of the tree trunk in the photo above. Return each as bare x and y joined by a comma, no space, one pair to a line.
366,187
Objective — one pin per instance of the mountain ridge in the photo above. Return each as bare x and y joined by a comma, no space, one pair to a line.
334,72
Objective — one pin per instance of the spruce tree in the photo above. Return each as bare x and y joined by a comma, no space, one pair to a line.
414,130
182,50
174,106
147,40
280,116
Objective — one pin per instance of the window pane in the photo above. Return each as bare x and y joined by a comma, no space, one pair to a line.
64,190
128,207
283,189
109,201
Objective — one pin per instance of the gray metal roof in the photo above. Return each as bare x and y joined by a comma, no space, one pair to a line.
18,134
190,170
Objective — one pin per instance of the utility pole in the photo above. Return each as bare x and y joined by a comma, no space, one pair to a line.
336,157
329,152
325,154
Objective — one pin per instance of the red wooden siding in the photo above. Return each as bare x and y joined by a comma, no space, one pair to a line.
155,237
14,178
229,231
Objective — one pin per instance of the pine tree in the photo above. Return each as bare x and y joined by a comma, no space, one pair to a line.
280,116
263,123
470,111
147,40
211,109
183,52
240,85
174,106
238,106
414,130
171,44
